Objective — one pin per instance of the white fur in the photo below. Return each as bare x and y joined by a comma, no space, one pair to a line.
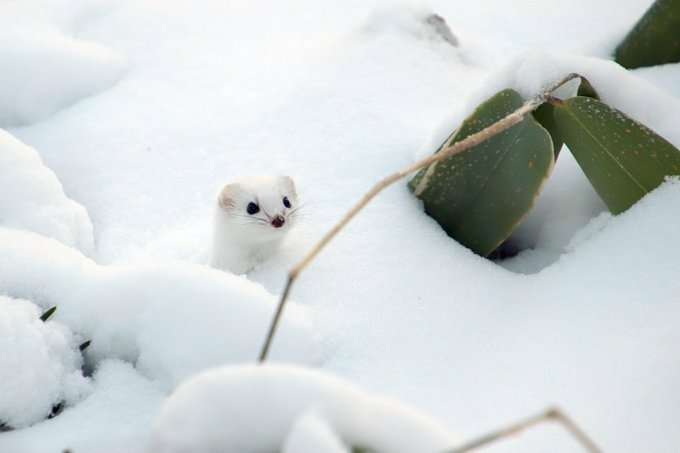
240,240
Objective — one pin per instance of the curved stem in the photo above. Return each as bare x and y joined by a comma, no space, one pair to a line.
551,414
470,141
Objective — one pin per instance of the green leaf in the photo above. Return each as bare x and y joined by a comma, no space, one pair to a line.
586,89
45,316
480,195
623,159
544,115
655,39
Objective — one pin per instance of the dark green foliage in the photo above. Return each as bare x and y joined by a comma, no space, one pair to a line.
545,116
480,195
655,39
623,159
586,89
45,316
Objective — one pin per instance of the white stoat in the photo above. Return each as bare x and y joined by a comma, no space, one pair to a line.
251,217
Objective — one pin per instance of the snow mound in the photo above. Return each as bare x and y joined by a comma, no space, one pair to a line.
41,365
171,319
262,408
532,71
32,198
45,70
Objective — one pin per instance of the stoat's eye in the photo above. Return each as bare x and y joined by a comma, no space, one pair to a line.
286,202
252,208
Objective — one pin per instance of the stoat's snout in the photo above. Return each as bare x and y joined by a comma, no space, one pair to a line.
278,221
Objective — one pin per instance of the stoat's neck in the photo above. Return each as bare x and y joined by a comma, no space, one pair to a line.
238,247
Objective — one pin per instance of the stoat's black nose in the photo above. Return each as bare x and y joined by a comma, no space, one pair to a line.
278,221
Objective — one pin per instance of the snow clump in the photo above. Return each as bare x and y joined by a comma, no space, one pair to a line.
32,198
41,365
263,408
45,70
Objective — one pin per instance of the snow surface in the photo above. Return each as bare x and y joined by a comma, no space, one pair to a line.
275,405
144,109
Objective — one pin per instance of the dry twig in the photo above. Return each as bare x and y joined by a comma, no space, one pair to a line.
553,414
470,141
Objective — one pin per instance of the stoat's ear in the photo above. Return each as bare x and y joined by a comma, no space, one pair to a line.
289,184
225,199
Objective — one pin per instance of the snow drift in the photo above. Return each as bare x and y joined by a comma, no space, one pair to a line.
171,319
32,198
264,408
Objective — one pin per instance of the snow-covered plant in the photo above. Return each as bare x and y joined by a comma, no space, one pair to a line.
41,364
480,195
500,157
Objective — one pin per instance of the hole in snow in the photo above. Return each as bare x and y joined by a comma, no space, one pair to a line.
562,214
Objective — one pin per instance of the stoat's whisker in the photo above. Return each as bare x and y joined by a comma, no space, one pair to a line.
249,217
293,211
249,224
305,204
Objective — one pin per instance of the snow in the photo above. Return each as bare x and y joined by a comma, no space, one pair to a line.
169,318
32,198
44,69
311,433
664,77
272,405
40,365
140,111
120,400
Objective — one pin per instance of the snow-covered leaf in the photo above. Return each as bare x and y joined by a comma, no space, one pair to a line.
654,40
623,159
480,195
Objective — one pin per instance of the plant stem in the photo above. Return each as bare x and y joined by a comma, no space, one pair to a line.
470,141
551,414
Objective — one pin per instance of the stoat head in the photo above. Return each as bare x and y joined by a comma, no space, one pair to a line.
262,207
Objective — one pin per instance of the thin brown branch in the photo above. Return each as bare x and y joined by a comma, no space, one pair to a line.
577,432
553,414
467,143
275,320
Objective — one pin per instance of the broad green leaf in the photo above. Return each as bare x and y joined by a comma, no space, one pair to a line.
480,195
544,115
655,39
586,89
623,159
545,112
